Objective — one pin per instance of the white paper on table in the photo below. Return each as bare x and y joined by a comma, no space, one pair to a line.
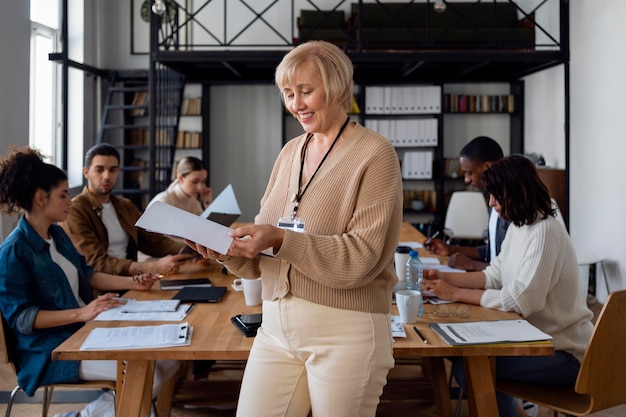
116,314
397,328
135,337
481,332
412,245
169,220
430,261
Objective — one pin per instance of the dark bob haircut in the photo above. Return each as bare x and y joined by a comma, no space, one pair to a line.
514,182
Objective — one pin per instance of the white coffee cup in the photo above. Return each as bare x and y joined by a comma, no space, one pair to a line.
251,290
408,302
399,259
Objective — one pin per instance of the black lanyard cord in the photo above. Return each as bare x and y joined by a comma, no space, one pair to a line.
306,144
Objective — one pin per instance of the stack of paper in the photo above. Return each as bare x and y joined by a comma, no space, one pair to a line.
484,332
150,306
136,337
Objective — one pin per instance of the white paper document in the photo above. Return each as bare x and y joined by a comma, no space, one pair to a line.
484,332
150,306
397,328
136,337
169,220
224,209
116,314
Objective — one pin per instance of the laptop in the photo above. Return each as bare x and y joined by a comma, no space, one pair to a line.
200,294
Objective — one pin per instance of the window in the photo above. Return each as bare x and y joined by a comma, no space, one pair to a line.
44,121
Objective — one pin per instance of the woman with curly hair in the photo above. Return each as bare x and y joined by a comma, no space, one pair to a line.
46,286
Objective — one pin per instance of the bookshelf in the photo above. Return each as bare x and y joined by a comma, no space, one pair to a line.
410,117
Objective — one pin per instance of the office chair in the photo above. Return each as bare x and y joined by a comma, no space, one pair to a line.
48,390
467,216
600,382
588,267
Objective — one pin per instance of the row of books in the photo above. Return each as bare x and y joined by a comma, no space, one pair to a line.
188,139
141,137
140,99
462,103
191,106
403,99
406,132
417,165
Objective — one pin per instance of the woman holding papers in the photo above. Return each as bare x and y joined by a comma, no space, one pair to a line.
46,286
188,191
535,275
330,221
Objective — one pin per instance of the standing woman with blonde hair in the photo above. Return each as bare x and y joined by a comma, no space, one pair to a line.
330,222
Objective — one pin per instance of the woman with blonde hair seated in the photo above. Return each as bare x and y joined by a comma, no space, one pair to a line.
188,191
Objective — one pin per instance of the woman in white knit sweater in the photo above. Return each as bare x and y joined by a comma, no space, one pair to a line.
535,275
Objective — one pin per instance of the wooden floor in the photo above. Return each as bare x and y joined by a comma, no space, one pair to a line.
404,408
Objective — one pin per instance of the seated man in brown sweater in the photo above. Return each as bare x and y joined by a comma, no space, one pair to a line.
102,225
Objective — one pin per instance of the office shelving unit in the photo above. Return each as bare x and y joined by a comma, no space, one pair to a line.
219,56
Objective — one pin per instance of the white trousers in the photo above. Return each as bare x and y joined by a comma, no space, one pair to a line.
311,357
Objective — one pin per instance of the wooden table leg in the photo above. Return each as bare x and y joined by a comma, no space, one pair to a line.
440,386
481,391
136,395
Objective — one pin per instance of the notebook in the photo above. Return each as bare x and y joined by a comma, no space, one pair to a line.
200,294
177,284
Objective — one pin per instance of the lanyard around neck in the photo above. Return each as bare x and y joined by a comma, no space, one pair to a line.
306,144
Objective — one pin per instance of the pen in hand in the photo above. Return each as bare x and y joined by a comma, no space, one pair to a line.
420,335
430,239
122,299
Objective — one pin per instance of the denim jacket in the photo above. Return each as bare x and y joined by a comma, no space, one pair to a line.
29,281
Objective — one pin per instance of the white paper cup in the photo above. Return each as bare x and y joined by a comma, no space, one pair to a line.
399,259
251,290
408,302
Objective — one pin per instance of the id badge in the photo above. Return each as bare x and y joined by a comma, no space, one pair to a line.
291,223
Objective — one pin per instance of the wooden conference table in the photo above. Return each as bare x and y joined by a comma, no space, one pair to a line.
214,337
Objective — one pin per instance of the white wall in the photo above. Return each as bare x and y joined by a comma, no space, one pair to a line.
598,126
246,136
14,50
544,116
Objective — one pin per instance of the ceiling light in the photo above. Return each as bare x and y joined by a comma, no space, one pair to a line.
159,7
439,6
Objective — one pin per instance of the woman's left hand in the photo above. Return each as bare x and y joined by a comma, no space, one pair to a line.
436,285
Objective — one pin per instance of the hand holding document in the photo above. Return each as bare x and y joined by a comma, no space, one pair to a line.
169,220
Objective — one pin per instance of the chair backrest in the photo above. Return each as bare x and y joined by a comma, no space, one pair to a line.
467,216
4,347
602,372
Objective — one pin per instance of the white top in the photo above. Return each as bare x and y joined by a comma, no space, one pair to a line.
536,275
118,239
493,227
70,271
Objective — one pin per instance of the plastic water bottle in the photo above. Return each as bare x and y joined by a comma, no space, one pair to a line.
414,273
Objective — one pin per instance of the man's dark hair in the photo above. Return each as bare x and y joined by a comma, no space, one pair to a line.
482,149
103,149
